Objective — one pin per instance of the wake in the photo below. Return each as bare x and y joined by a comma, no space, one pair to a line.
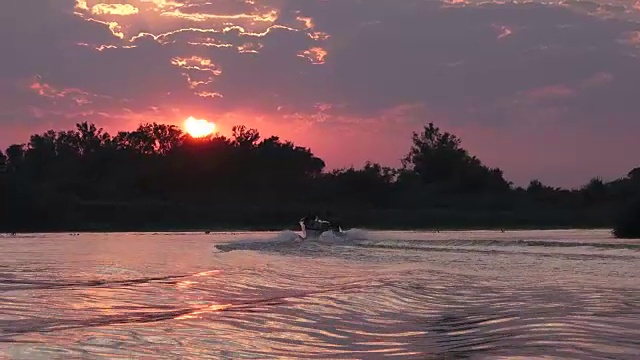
291,239
370,245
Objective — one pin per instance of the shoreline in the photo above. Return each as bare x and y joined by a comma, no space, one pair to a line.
225,229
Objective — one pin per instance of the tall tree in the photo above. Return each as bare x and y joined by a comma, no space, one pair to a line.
438,157
3,162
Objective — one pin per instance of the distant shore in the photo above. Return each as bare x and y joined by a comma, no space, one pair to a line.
158,179
267,228
147,218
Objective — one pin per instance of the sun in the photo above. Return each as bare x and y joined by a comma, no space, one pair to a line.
198,128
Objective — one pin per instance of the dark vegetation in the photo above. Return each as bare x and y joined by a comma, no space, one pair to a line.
627,223
158,178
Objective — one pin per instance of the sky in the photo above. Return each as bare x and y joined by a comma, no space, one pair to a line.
542,89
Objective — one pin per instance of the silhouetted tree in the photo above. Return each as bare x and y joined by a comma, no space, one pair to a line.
158,176
594,192
634,175
245,138
372,185
536,187
15,157
437,157
3,162
627,223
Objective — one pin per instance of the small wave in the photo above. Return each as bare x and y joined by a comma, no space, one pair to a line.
285,238
420,304
475,246
538,243
286,235
347,236
149,314
347,244
417,319
13,284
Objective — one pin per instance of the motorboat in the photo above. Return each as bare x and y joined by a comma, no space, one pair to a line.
312,228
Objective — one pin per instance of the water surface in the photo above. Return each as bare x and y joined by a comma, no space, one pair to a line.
374,295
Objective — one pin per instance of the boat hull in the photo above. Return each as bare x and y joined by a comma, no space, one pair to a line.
311,234
317,231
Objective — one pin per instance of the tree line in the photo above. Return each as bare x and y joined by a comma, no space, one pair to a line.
158,178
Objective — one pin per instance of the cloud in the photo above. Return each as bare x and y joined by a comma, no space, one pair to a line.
319,71
112,9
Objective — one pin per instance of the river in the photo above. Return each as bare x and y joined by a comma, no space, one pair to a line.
557,294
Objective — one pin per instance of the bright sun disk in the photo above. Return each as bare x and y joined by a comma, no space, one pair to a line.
198,127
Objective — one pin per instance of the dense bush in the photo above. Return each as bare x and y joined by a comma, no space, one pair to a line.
627,224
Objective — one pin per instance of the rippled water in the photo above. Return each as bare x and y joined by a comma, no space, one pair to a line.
413,295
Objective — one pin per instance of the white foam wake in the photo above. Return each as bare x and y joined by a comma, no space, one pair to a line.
288,238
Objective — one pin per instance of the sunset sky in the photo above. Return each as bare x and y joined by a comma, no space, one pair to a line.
543,89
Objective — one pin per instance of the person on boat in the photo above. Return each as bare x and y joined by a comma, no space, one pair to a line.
333,222
313,222
310,221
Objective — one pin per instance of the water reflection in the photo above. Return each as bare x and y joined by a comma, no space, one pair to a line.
390,295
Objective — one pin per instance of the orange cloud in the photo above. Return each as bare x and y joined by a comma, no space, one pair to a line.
163,4
631,38
256,20
165,38
43,89
197,63
116,29
81,5
239,26
107,47
208,94
113,26
198,67
65,101
270,16
238,29
114,9
250,47
308,22
316,55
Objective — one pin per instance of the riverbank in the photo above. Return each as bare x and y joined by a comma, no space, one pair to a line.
267,228
153,217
